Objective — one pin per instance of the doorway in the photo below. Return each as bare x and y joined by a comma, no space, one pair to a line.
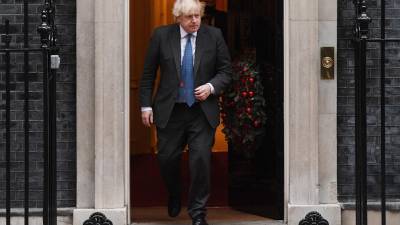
250,184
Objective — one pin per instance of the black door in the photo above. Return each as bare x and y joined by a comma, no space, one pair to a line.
256,180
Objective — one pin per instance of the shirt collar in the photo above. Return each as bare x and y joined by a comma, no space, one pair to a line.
184,33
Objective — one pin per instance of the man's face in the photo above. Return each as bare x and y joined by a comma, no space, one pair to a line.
191,22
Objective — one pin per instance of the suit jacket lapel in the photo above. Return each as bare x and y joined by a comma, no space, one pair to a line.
200,44
175,41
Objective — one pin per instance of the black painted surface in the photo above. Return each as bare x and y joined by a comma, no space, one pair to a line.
256,183
346,101
66,105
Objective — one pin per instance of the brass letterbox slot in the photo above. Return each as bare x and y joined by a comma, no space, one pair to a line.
327,63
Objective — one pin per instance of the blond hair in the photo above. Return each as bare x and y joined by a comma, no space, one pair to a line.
187,7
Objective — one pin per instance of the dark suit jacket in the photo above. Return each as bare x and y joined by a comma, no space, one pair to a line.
212,64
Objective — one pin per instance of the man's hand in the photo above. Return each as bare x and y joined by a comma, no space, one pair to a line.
147,118
202,92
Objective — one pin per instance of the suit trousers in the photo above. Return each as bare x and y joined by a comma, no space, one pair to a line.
187,125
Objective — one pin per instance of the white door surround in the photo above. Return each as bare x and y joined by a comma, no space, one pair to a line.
103,111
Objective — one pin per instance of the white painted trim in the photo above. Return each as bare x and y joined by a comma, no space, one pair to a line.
127,110
85,104
89,21
286,105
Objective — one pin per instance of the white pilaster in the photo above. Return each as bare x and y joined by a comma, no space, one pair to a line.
327,32
310,112
302,86
102,164
109,114
85,83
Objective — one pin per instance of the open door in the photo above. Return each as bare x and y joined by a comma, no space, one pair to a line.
253,185
256,183
144,17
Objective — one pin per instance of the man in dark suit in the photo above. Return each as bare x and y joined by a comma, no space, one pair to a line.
195,67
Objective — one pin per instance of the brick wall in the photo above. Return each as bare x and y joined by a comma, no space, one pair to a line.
66,105
346,108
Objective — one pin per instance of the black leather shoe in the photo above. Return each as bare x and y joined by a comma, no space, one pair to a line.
200,220
174,206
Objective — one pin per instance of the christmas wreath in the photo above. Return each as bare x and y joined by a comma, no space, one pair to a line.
243,106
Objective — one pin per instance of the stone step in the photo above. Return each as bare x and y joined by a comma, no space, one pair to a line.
215,216
211,222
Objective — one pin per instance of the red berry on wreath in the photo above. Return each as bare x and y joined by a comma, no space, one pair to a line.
257,124
251,80
251,94
244,94
249,110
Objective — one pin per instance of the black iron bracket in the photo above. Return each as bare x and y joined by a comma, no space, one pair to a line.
47,29
362,20
313,218
98,218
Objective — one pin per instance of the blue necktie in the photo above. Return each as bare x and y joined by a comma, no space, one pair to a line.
187,84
